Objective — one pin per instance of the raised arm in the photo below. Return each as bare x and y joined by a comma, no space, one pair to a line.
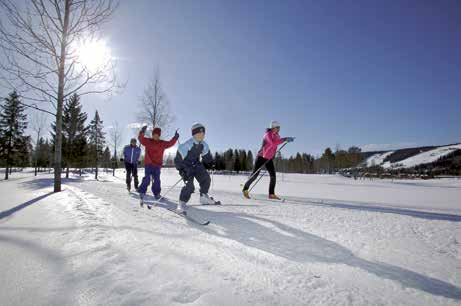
143,140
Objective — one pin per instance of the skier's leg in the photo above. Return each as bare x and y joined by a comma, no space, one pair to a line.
156,184
203,178
270,168
128,169
146,180
259,162
135,175
187,191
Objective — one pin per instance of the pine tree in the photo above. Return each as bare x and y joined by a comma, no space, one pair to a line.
106,157
243,160
229,159
96,141
74,132
237,165
250,160
14,146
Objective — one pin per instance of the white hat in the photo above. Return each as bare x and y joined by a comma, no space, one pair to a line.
274,124
197,128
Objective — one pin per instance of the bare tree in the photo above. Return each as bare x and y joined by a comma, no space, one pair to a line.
42,41
155,106
115,138
38,125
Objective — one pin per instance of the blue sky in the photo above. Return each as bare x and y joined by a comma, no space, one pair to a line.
377,74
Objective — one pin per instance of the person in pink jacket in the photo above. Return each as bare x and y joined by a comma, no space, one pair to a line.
267,152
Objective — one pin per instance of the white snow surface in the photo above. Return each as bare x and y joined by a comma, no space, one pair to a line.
334,241
377,159
418,159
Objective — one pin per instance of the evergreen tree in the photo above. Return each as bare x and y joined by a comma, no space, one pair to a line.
96,141
327,160
14,146
250,160
74,132
229,159
106,157
243,160
237,165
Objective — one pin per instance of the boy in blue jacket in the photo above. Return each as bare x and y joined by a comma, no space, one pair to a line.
192,160
131,154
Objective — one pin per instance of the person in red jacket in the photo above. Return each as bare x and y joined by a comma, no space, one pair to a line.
153,159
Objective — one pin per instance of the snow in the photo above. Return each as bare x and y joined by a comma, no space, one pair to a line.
428,156
335,241
418,159
377,159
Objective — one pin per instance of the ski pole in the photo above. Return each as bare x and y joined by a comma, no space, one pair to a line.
257,181
251,176
171,188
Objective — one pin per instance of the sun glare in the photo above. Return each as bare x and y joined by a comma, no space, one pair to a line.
94,54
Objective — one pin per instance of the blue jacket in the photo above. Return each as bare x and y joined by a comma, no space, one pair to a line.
192,153
131,154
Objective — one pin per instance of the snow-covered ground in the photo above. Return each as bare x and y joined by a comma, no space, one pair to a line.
335,241
418,159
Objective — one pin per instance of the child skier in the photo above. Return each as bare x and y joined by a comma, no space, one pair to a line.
265,155
131,155
192,160
153,160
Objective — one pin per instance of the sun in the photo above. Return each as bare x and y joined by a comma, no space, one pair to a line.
94,54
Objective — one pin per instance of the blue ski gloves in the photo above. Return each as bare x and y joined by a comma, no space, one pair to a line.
289,139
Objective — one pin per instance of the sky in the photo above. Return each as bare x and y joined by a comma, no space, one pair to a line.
375,74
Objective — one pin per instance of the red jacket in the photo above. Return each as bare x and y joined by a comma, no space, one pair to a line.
155,149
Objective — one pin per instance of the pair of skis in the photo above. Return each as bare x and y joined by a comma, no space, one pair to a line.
183,214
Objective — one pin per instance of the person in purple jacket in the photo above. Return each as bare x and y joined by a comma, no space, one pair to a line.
265,155
131,154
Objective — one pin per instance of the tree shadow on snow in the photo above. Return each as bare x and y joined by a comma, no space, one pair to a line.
42,183
9,212
296,245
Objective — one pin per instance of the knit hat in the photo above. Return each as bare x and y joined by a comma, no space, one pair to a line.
198,128
157,131
274,124
133,140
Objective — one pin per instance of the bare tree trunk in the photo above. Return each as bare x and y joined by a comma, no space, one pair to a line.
61,75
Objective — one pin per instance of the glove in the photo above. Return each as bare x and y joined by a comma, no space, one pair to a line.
144,128
121,159
176,134
289,139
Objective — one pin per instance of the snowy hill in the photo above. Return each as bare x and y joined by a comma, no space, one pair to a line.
418,158
334,241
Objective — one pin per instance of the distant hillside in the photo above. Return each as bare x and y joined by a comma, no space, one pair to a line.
412,157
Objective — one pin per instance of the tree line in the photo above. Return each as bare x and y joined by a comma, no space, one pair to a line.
83,145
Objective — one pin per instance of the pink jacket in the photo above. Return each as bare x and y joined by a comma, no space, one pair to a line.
269,146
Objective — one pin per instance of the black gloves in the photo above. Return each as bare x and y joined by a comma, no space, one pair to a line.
176,134
121,159
144,128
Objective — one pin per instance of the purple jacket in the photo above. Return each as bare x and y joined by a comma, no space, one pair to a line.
269,147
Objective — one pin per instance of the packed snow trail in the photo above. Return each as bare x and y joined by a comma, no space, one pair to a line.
92,244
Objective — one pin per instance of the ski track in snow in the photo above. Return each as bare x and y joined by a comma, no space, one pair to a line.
92,244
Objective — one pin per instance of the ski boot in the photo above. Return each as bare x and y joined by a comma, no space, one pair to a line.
181,209
128,186
246,194
274,197
205,199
